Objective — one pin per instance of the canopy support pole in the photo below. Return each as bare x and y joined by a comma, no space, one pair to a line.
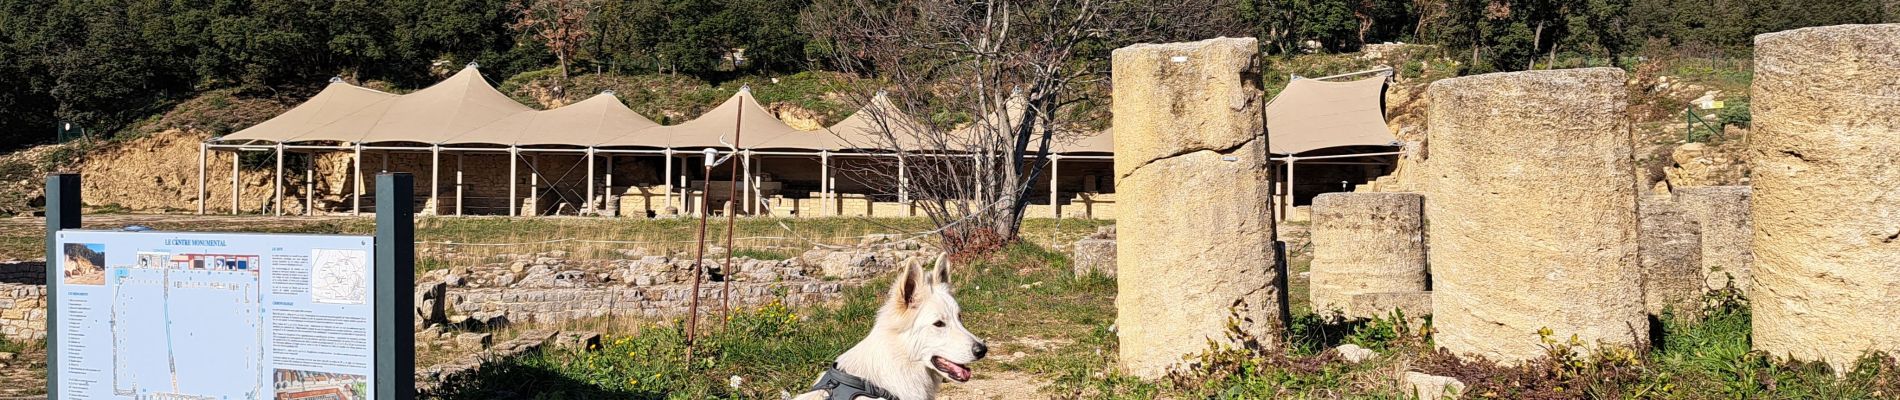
1286,199
203,149
277,183
534,185
609,187
1055,171
310,186
356,172
458,184
824,180
514,181
588,205
903,180
435,179
745,184
235,159
666,156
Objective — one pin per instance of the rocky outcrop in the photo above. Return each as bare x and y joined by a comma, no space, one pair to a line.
1187,120
1533,212
1827,220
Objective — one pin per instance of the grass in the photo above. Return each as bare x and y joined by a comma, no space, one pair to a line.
1022,300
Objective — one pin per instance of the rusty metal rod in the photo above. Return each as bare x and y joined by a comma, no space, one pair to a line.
732,216
699,262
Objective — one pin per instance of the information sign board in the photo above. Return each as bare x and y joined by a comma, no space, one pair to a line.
174,315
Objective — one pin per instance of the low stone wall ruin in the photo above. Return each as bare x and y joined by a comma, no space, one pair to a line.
23,300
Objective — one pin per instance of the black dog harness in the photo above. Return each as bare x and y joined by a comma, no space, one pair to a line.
844,386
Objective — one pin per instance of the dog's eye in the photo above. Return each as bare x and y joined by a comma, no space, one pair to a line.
939,324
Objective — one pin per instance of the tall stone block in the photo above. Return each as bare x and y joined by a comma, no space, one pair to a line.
1366,243
1532,210
1195,241
1827,192
1722,215
1670,247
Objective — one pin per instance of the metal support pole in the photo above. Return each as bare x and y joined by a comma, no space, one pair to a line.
277,183
356,172
435,180
534,185
903,180
667,157
235,160
310,186
609,178
743,184
1055,171
587,207
699,263
203,150
514,181
824,180
62,212
395,286
1286,199
458,184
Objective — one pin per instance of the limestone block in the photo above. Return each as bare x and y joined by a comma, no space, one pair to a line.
1413,305
1433,387
1532,203
1366,243
1826,215
1094,256
1187,125
1726,233
474,340
1671,254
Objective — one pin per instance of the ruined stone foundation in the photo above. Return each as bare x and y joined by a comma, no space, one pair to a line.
1532,206
1194,254
1827,192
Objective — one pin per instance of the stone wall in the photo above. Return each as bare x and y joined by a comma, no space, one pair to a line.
1196,258
1533,212
23,300
1827,220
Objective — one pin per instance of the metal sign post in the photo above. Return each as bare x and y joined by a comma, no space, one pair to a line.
62,212
395,287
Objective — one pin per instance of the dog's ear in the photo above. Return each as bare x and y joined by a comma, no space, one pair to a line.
941,272
908,290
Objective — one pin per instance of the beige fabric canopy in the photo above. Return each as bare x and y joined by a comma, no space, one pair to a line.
1313,114
866,128
457,105
319,114
761,130
589,122
1098,142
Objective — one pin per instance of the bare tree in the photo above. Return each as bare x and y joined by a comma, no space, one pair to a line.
560,24
994,86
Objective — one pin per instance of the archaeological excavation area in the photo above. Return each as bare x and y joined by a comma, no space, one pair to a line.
1526,222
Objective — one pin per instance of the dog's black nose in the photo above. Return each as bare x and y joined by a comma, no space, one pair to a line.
981,350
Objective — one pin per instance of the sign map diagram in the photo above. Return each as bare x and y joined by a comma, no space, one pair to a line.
339,276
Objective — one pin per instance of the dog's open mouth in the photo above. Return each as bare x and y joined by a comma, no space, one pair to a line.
955,371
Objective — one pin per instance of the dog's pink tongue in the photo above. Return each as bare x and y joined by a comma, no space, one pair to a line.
957,372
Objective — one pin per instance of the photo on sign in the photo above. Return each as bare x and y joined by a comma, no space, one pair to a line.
153,260
85,264
314,385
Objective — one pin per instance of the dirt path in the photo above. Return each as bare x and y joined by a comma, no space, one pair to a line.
996,386
24,375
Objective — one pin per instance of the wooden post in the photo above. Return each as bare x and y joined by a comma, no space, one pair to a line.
310,185
824,179
514,182
534,185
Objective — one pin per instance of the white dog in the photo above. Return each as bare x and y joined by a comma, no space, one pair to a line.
917,343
